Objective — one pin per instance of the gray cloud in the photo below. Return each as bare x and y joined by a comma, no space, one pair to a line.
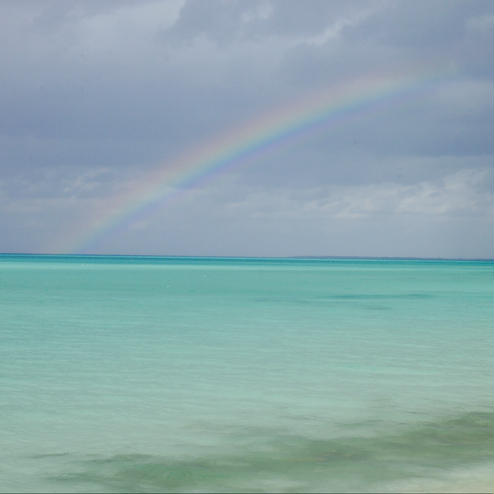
95,94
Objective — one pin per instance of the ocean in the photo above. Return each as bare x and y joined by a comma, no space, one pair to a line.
170,374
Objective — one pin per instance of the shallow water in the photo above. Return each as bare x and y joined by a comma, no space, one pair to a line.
186,374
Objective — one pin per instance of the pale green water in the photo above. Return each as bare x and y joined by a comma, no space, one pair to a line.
132,374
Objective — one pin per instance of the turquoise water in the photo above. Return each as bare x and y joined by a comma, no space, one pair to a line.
150,374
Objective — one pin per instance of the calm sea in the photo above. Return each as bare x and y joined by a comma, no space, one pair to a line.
154,374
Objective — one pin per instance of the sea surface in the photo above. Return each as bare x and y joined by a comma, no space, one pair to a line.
169,374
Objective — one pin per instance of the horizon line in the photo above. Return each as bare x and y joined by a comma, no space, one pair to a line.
295,257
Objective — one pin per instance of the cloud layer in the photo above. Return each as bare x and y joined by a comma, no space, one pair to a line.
97,94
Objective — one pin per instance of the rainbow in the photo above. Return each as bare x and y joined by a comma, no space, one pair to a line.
234,147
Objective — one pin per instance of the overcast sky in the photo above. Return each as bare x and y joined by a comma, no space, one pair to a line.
96,95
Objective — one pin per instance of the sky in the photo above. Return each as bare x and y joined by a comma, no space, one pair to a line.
106,104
